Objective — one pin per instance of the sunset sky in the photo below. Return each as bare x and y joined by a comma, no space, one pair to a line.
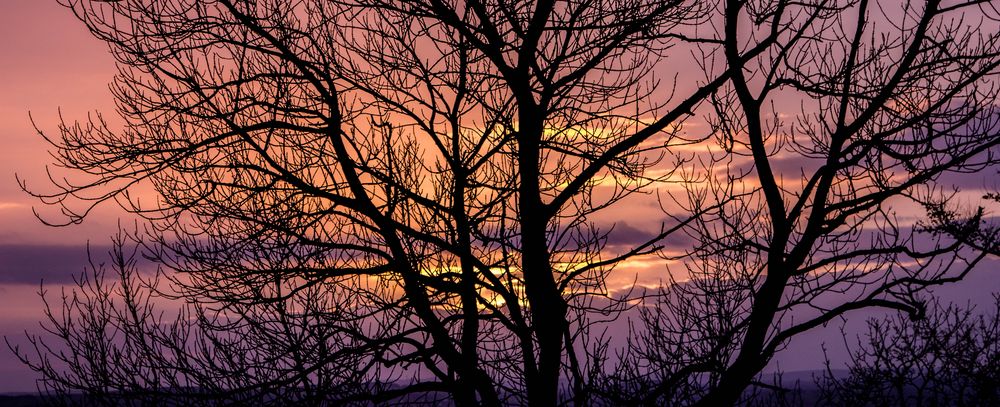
49,64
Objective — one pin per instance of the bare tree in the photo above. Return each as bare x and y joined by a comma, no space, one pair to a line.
401,197
952,357
891,100
430,165
117,346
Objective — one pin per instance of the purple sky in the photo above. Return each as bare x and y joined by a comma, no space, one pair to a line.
48,63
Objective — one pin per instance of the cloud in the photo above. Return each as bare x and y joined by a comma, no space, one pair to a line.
984,180
10,205
625,235
31,264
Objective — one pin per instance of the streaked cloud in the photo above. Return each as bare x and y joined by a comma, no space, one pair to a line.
32,264
10,205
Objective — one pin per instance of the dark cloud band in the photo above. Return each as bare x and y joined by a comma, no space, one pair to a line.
31,264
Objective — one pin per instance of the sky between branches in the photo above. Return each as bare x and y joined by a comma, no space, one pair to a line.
50,65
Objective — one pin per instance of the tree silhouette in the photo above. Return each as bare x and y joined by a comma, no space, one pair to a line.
892,99
949,358
398,201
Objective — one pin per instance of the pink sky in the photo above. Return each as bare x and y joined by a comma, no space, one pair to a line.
48,62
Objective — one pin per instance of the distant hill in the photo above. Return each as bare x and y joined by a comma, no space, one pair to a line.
21,400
